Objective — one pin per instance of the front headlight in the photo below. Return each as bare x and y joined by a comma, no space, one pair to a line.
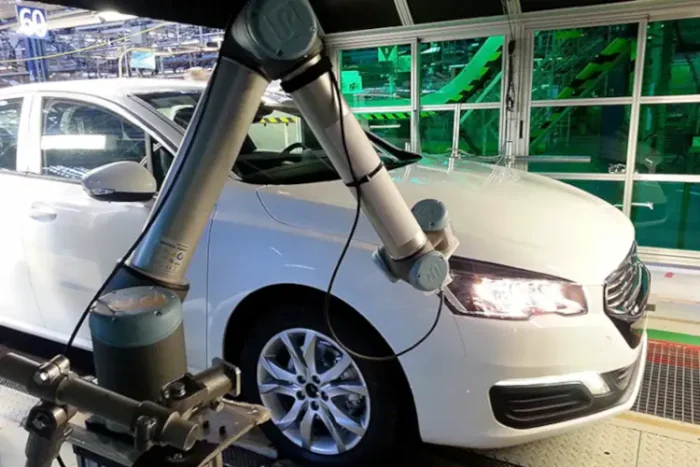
493,291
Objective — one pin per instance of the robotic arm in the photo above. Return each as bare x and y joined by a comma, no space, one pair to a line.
270,40
144,391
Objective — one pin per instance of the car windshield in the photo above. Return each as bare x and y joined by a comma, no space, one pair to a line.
280,147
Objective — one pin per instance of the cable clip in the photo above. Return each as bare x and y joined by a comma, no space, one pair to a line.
361,181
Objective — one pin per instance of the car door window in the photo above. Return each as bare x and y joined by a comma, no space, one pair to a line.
10,110
162,159
78,137
280,148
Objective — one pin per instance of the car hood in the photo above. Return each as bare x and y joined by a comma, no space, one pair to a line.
500,215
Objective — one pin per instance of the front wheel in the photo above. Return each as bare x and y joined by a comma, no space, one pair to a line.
327,408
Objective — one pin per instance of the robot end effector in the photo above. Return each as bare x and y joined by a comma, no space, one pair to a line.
428,268
282,36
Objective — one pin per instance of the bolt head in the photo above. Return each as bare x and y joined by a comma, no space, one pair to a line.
301,379
316,379
176,390
40,421
324,396
300,395
146,422
41,377
314,405
216,406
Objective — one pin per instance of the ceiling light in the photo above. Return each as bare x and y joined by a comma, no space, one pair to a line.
114,16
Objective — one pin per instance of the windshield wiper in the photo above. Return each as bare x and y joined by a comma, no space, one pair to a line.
398,153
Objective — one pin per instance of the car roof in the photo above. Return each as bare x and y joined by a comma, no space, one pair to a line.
122,87
113,86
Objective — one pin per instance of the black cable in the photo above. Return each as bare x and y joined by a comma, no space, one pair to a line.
122,260
60,461
99,292
351,234
510,92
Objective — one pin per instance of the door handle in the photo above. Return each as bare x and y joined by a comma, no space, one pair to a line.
42,213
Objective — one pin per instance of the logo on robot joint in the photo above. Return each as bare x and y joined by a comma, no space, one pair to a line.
283,21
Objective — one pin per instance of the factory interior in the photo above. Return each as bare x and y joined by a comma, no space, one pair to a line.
340,233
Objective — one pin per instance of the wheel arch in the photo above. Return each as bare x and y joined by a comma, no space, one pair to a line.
253,306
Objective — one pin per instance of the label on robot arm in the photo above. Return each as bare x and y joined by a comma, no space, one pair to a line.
169,257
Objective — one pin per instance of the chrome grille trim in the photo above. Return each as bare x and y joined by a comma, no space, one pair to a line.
625,293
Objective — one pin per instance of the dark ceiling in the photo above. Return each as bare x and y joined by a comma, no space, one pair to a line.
334,15
539,5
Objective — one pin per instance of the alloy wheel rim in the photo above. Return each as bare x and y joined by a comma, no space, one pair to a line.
314,390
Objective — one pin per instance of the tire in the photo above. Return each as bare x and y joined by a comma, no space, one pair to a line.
377,412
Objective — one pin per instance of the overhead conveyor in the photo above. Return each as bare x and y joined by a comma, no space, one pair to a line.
479,76
582,85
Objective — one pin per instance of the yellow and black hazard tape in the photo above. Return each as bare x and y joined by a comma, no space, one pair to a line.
384,116
388,116
487,72
278,120
585,80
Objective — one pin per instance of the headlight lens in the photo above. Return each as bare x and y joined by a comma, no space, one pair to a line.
493,291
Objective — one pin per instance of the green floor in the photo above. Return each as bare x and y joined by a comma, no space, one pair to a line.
675,337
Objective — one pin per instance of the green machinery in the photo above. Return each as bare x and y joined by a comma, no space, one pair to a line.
483,73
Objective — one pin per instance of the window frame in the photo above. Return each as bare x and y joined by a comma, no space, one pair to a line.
458,107
515,125
33,152
338,54
25,102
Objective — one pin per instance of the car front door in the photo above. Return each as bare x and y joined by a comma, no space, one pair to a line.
18,308
73,241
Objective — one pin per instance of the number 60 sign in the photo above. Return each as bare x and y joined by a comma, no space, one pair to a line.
31,22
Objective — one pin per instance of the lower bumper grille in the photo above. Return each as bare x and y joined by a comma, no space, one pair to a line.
538,406
532,406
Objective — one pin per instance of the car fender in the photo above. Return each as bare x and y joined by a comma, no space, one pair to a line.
285,255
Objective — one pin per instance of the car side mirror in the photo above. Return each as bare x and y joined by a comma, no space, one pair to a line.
120,181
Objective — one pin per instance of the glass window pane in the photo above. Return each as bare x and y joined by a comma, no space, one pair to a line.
610,191
585,62
669,139
672,58
10,110
78,137
667,214
594,138
436,131
478,132
176,106
277,131
394,127
377,76
468,70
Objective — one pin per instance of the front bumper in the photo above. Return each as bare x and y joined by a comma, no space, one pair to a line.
453,400
536,402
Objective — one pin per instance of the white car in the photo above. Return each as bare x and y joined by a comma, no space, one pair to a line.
542,329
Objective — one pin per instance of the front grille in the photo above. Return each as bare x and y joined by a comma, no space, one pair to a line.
626,295
624,287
